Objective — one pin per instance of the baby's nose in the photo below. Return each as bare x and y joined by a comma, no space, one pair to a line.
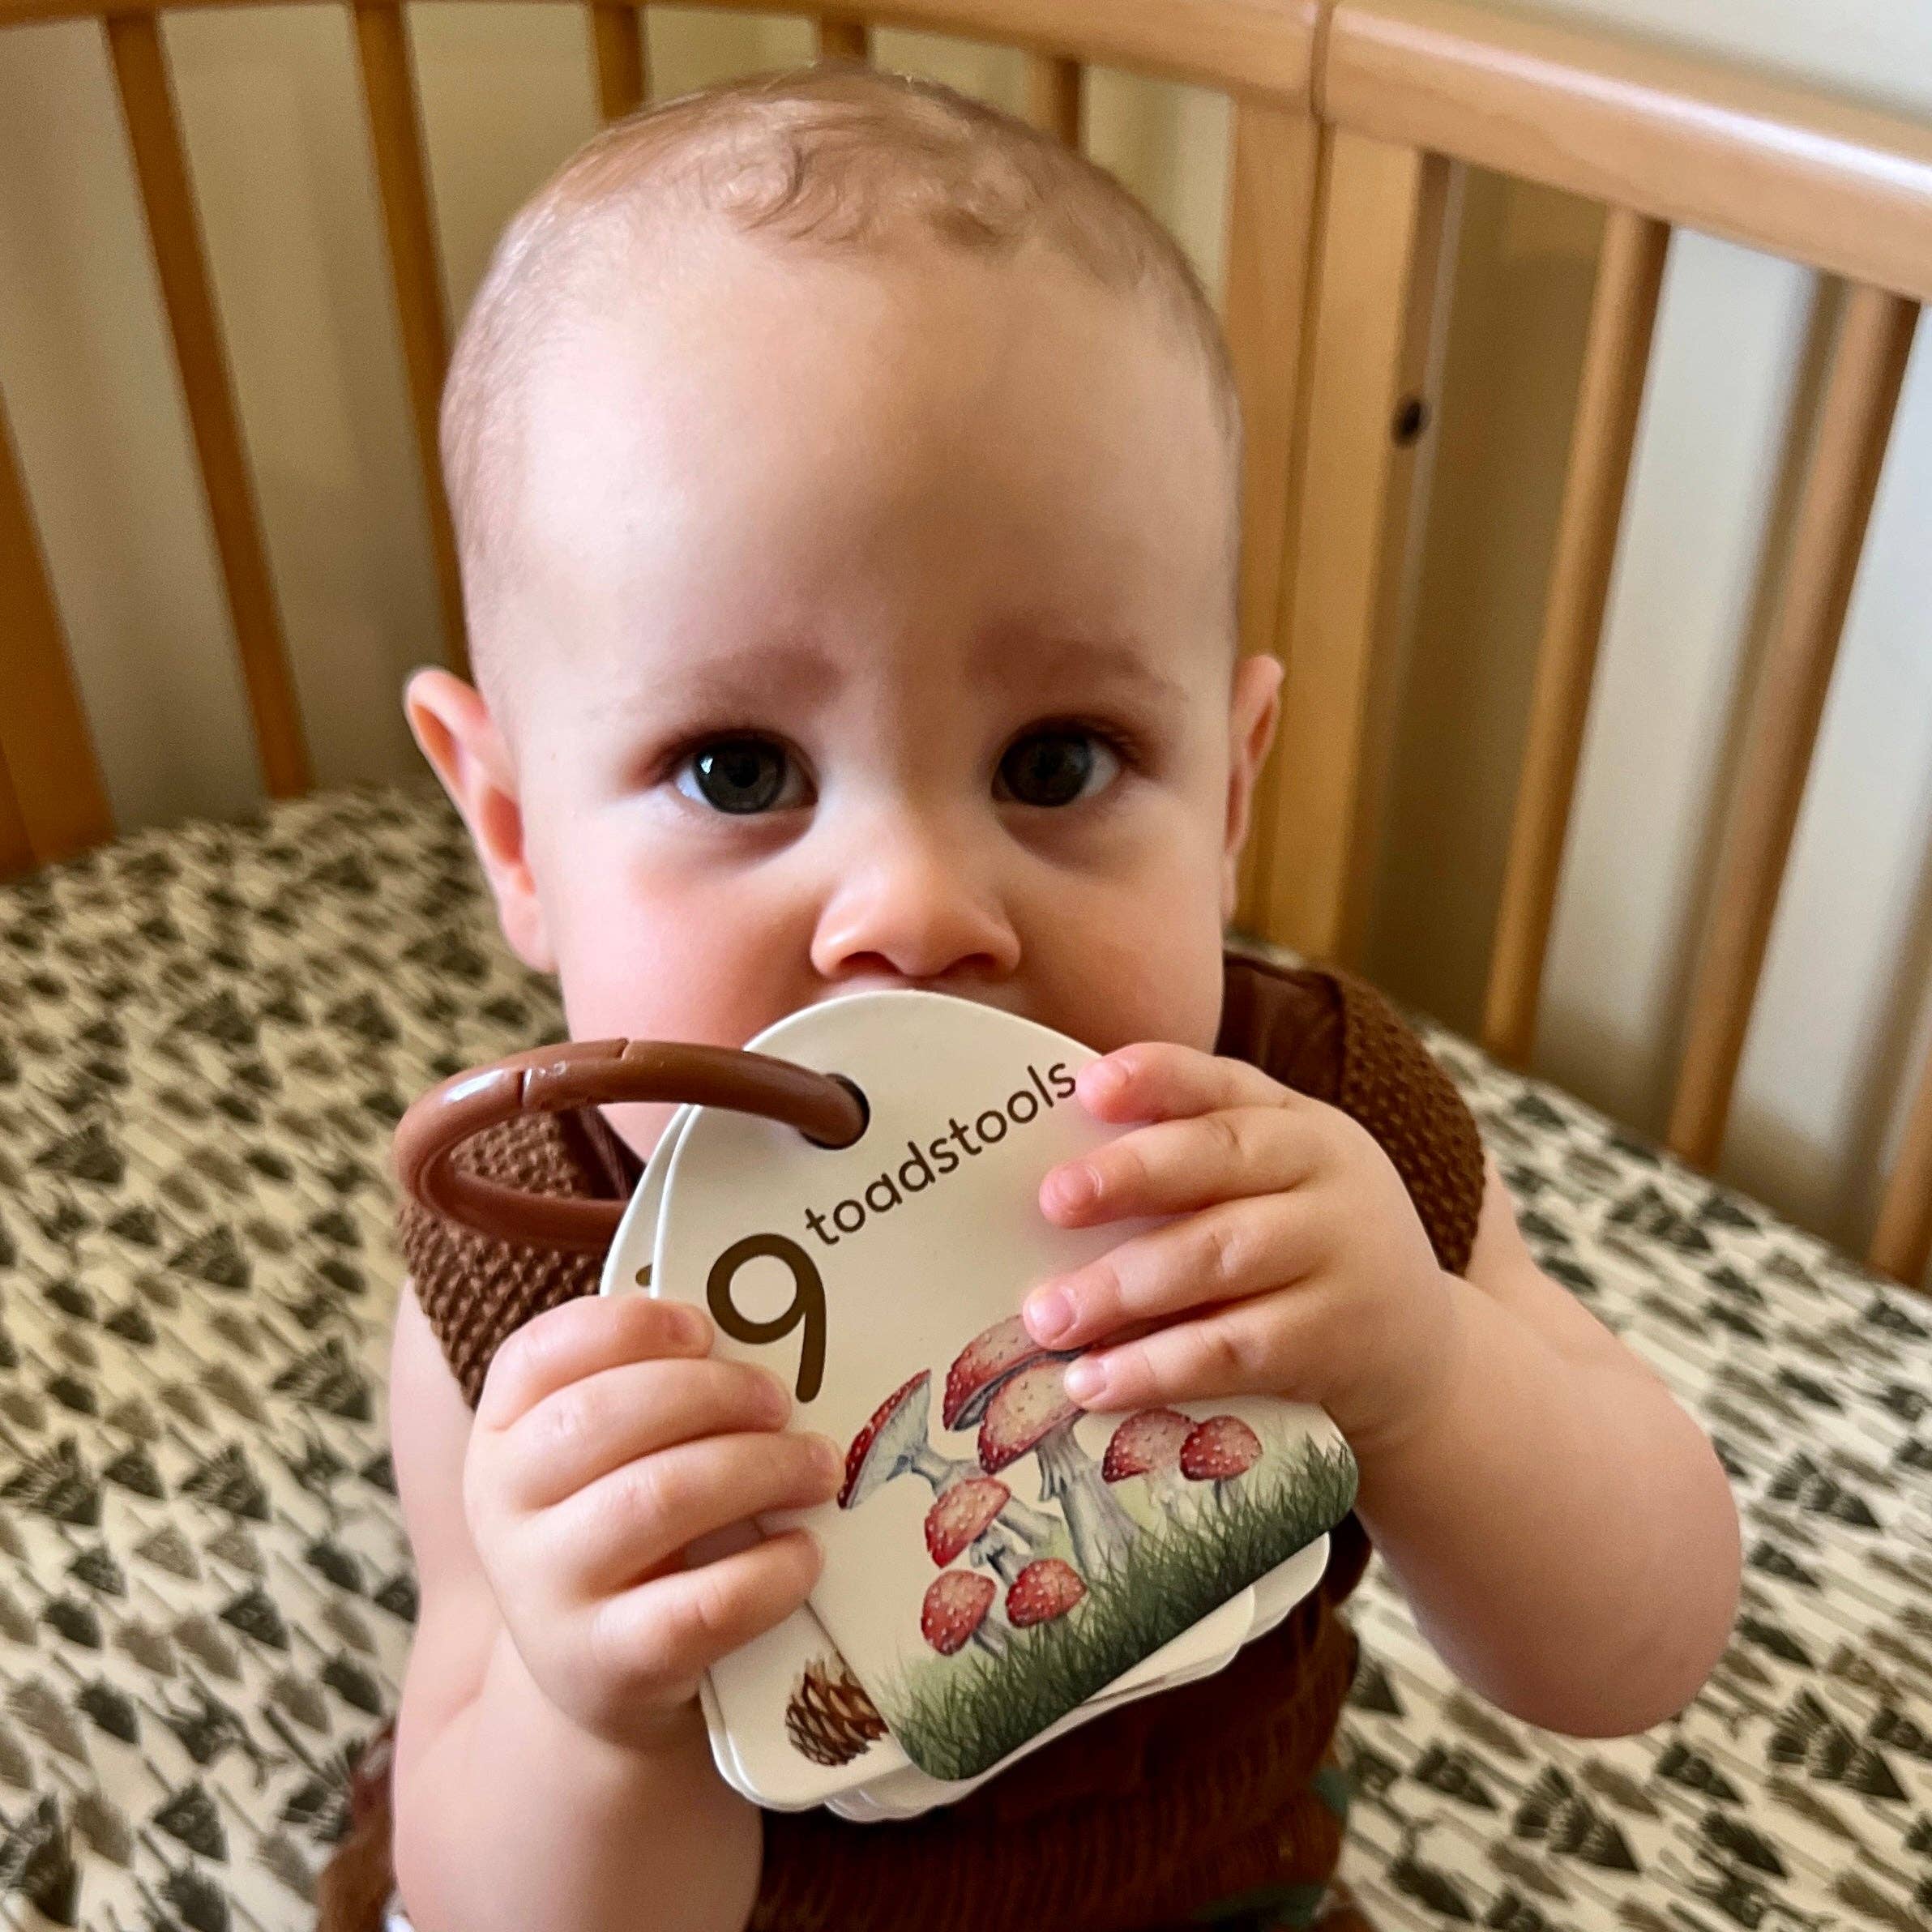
911,905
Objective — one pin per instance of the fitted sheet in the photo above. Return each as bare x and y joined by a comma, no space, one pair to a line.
205,1035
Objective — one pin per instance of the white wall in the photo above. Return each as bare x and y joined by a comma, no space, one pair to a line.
1881,50
1845,1018
270,104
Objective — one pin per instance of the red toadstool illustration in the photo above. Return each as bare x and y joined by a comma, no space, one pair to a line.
992,1358
987,1360
1043,1591
1222,1449
954,1614
1148,1443
968,1518
1032,1411
893,1441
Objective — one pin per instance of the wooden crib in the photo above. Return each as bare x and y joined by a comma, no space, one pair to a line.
1353,122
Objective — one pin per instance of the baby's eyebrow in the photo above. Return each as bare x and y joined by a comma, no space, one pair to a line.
1047,656
789,673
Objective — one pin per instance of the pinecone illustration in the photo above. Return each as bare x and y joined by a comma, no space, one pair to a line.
829,1718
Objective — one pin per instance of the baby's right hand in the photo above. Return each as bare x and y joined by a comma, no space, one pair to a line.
604,1442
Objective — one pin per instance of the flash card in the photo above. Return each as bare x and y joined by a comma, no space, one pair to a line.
996,1556
789,1726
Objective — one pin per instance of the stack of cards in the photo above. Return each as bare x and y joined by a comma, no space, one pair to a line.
1000,1565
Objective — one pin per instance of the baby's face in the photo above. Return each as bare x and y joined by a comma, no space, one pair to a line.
868,627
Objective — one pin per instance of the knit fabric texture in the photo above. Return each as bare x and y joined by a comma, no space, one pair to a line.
477,1292
1140,1818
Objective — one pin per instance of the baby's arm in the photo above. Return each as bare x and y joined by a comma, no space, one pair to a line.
1561,1527
1564,1530
592,1803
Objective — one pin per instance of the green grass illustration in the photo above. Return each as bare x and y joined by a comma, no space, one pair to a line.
956,1715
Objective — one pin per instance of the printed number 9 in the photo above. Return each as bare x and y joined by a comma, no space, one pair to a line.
808,1303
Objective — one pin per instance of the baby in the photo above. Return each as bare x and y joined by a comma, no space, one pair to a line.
845,479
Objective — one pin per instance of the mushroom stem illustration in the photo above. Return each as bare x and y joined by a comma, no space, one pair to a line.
1032,1412
1005,1559
1101,1529
893,1443
941,1472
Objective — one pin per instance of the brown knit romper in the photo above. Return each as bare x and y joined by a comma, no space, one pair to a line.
1205,1804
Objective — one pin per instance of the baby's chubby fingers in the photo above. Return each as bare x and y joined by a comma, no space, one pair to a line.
1160,1079
653,1642
588,1428
1222,1254
1268,1346
1193,1161
625,1525
576,1339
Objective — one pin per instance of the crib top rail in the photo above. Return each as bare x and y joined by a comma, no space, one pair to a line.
1839,186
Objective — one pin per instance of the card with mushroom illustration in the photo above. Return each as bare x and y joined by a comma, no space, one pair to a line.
1065,1546
790,1726
996,1556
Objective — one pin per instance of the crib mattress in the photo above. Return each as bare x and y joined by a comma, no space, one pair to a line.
205,1596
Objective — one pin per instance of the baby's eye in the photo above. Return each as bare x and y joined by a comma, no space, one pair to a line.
1055,767
741,775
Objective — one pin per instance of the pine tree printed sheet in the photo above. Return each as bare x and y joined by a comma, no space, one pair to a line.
205,1036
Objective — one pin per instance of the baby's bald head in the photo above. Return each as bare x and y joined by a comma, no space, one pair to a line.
845,161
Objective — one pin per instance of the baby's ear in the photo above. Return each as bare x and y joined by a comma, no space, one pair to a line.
1255,704
461,739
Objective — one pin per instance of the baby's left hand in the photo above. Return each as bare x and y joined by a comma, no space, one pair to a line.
1295,1264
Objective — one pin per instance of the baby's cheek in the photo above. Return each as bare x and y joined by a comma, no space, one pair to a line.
1148,968
643,984
669,967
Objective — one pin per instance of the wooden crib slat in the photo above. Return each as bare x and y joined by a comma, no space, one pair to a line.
1387,224
16,851
16,848
1629,277
1053,96
1862,394
54,804
623,63
1902,1244
160,167
395,136
841,37
1271,230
